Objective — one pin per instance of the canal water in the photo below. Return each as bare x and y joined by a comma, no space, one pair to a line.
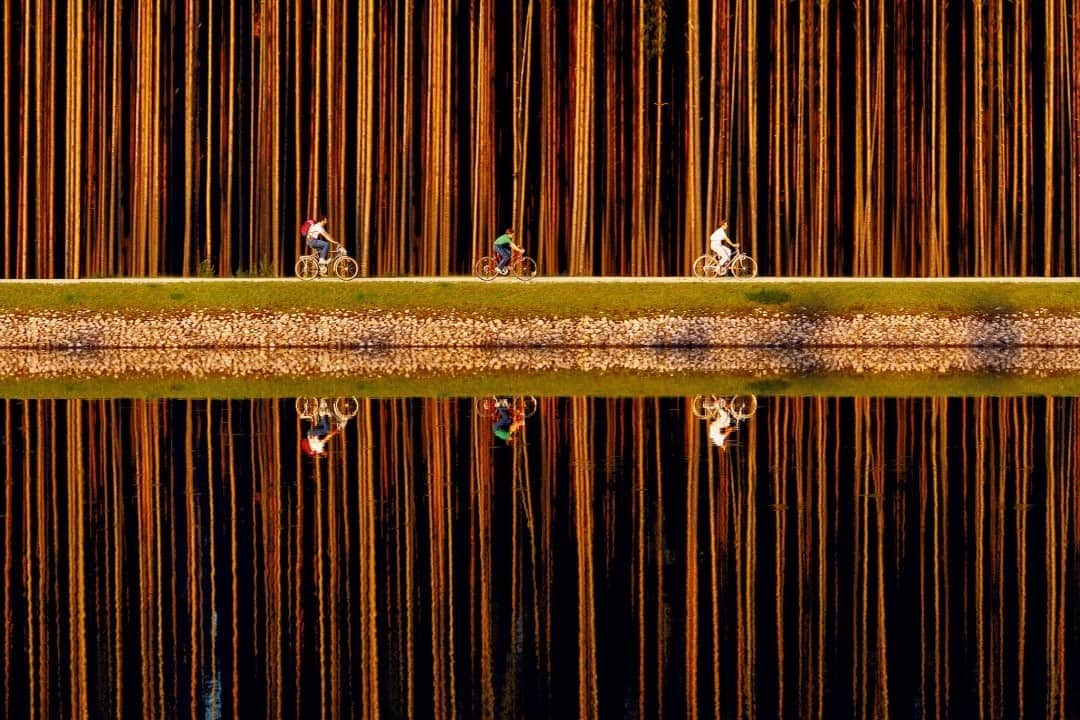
512,556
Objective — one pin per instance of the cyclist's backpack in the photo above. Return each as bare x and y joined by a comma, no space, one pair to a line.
305,227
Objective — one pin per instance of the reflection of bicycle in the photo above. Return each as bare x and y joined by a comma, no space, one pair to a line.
341,409
740,265
521,266
525,406
739,407
337,261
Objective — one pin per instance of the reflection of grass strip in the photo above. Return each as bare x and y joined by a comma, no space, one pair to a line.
614,299
548,384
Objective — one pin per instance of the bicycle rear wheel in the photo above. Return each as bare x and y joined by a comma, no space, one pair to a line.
307,267
701,265
345,268
346,407
486,268
697,407
525,270
744,266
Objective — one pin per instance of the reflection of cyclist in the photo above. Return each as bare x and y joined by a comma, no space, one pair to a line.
506,423
720,427
314,443
503,245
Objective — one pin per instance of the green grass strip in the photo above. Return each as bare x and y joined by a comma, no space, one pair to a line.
563,297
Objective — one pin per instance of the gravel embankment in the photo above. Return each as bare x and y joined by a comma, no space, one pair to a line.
83,329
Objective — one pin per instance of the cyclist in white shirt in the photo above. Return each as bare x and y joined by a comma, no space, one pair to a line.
721,244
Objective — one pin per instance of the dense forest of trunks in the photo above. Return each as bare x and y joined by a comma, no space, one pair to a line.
902,137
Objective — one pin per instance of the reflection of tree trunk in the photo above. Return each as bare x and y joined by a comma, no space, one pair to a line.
582,499
309,567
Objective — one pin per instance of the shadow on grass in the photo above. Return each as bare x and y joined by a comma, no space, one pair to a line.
768,296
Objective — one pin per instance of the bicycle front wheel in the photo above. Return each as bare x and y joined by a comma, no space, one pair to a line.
697,407
528,405
485,407
346,268
486,268
307,267
744,266
525,270
306,407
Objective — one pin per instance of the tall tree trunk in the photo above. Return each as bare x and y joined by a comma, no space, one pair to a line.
580,230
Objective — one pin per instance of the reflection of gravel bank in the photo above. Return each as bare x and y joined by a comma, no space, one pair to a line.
377,329
404,362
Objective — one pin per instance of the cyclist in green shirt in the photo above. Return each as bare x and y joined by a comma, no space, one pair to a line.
503,245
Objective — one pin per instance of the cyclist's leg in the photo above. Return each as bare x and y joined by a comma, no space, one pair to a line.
321,245
504,255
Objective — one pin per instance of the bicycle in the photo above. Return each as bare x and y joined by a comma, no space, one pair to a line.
521,266
739,264
739,407
342,409
338,261
525,406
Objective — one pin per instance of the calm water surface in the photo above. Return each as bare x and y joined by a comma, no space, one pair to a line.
832,558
